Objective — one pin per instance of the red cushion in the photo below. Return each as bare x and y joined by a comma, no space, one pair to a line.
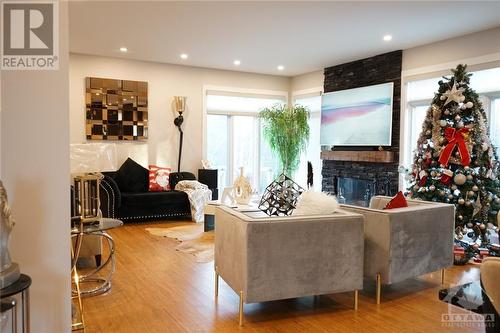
159,179
398,201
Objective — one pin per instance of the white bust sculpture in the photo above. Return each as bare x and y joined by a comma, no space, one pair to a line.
9,271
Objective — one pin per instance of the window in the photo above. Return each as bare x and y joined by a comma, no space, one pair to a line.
419,96
234,137
312,154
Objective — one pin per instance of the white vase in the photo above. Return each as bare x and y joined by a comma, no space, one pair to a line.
242,189
9,271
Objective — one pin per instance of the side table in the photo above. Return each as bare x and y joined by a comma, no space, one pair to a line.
21,286
98,230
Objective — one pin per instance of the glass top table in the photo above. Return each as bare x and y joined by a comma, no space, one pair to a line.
99,283
102,225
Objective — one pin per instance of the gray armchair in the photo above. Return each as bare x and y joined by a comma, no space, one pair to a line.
273,258
406,242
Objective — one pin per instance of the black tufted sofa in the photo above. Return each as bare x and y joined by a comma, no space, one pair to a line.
124,195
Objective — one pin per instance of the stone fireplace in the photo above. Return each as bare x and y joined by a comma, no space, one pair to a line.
357,182
364,171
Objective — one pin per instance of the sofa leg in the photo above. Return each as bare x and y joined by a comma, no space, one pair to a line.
216,283
356,300
241,309
442,276
378,288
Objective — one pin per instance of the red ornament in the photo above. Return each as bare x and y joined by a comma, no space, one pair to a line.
455,138
446,177
422,181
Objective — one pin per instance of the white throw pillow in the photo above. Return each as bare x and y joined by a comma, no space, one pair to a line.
315,203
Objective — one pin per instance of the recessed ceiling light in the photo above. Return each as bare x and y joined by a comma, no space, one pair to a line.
237,62
281,67
184,56
123,49
387,38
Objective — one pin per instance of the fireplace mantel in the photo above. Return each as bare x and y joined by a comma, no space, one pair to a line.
359,156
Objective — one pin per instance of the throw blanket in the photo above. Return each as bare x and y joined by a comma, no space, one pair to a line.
198,195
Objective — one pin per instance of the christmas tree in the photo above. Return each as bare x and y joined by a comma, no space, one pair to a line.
456,163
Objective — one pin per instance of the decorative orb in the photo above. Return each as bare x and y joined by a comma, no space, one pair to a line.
468,203
416,187
432,188
459,179
460,217
482,226
460,124
450,196
433,173
441,140
457,117
469,225
461,201
469,104
441,193
443,123
475,246
420,160
469,177
447,112
475,188
484,146
457,153
428,132
497,200
466,167
442,97
453,187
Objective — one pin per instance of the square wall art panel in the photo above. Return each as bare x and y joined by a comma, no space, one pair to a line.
116,109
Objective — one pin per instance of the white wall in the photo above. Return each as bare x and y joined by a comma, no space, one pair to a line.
35,171
307,81
479,44
165,82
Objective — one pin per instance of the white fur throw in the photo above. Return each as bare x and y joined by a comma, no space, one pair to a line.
315,203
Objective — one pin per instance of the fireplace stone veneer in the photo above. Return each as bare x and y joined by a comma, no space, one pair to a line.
385,175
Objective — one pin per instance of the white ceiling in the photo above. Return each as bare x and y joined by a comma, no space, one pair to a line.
302,36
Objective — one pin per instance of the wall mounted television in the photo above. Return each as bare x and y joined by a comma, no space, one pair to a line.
357,117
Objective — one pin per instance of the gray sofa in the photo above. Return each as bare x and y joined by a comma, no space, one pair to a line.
273,258
406,242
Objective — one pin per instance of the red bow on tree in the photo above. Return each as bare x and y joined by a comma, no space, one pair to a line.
455,138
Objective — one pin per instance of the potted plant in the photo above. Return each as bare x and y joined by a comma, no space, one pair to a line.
286,130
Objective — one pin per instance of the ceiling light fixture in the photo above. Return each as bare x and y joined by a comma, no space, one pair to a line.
281,67
237,62
387,38
123,49
184,56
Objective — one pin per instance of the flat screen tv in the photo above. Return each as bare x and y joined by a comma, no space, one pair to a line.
357,117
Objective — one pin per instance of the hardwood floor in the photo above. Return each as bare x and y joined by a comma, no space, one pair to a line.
156,289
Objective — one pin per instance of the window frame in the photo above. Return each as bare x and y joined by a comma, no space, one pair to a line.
240,92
